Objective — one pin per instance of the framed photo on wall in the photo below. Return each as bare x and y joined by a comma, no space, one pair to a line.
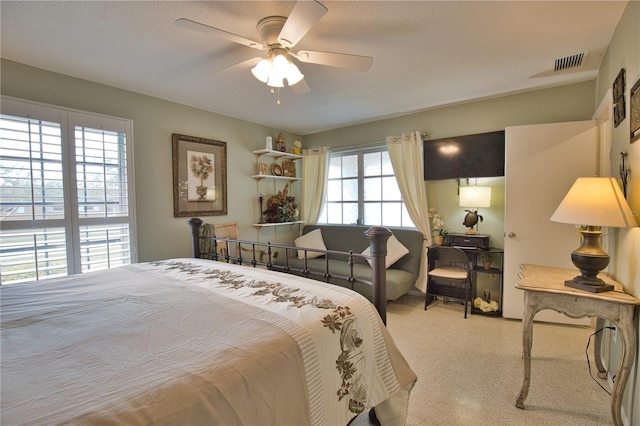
634,114
199,176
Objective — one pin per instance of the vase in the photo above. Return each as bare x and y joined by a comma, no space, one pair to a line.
201,191
295,151
438,239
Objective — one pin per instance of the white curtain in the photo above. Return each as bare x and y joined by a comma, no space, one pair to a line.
406,158
314,171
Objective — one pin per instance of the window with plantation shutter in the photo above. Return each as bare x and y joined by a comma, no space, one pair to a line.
66,198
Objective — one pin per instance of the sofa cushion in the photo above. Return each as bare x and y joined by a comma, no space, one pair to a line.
312,240
398,281
395,251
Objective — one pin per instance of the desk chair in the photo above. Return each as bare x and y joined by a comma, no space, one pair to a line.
449,274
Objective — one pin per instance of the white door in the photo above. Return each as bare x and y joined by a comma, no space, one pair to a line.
542,162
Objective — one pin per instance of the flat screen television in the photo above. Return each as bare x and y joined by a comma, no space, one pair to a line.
469,156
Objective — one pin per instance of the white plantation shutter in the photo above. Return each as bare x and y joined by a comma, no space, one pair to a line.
66,193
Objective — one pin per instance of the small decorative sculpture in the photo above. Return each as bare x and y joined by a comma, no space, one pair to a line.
624,172
471,219
280,146
260,200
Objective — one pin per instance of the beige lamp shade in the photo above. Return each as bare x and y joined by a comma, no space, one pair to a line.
595,201
475,196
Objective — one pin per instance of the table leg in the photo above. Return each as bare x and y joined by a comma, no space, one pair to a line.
597,349
527,341
627,332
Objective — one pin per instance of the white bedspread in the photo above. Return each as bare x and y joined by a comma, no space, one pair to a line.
189,342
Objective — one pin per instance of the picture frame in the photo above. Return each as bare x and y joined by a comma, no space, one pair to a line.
199,176
618,85
634,112
618,111
276,170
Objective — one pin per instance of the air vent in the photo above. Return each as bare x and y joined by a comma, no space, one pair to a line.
568,62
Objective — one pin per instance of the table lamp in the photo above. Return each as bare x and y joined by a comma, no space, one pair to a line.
474,197
593,202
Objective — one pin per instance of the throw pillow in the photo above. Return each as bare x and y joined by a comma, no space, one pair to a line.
311,240
395,251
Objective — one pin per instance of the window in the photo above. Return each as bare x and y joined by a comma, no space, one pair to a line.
66,192
362,189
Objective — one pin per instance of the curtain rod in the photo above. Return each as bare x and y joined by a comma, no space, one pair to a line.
376,144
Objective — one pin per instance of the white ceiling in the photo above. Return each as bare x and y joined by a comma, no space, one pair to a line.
425,53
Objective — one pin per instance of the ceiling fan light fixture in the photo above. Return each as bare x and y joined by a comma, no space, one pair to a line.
275,81
293,74
262,70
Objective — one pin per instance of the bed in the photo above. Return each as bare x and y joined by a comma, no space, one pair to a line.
193,341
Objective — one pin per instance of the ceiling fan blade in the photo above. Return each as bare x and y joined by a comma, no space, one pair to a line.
206,29
340,60
304,15
300,88
249,63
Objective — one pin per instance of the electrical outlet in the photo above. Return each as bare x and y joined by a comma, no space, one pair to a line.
614,334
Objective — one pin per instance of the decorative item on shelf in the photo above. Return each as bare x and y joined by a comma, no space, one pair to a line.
593,202
261,200
281,207
269,143
297,147
475,197
280,145
276,170
263,169
437,227
289,168
486,305
486,260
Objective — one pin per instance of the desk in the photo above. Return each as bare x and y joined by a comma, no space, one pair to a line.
544,289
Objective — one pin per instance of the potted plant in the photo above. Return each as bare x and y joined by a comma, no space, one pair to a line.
486,260
438,229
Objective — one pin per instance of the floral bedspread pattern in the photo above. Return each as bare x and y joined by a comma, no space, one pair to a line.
340,321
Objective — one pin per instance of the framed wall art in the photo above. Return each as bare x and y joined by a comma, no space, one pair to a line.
634,111
199,176
618,98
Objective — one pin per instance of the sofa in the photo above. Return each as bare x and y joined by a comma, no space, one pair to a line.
400,276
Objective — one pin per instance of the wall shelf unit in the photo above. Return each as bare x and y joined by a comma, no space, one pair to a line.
266,179
268,225
276,154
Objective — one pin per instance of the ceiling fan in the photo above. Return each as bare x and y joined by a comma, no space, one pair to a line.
279,35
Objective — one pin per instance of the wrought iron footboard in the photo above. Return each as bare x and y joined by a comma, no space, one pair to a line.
262,254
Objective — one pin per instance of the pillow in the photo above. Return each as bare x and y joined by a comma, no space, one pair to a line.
395,250
311,240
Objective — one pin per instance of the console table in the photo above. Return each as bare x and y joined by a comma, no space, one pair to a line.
544,289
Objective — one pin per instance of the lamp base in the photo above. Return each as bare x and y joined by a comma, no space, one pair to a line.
590,259
589,285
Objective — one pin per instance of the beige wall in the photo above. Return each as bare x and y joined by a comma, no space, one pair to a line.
160,235
567,103
624,52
